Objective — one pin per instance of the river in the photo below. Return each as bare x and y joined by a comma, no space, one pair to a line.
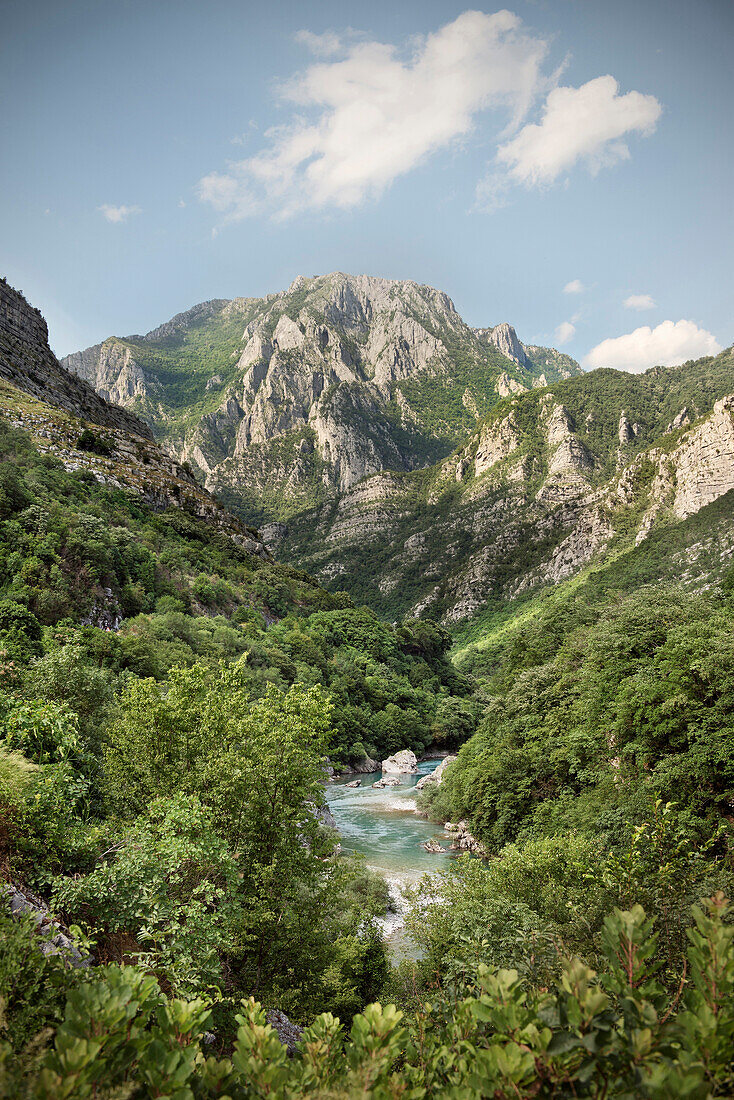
383,826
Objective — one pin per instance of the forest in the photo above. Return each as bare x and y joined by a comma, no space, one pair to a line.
162,788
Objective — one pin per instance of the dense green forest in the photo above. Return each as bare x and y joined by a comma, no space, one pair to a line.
162,787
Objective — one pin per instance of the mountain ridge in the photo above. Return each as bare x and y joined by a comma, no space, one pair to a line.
333,379
551,482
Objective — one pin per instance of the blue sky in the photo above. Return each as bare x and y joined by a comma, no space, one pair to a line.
544,167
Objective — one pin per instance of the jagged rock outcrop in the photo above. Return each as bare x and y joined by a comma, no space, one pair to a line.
542,490
506,386
496,442
27,362
335,379
504,338
567,454
628,431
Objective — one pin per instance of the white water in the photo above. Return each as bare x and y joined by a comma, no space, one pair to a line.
383,825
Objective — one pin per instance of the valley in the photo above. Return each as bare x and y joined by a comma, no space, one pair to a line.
485,554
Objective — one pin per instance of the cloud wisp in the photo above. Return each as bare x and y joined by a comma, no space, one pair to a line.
379,114
639,302
364,113
565,332
585,125
574,287
668,345
117,214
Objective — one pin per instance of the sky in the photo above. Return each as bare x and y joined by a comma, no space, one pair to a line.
564,165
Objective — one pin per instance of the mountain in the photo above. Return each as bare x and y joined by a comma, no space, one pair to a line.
553,481
97,521
27,362
287,401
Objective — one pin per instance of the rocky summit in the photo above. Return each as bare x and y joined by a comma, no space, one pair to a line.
423,466
290,400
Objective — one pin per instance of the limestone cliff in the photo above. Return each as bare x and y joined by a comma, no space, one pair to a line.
27,362
504,338
287,400
553,481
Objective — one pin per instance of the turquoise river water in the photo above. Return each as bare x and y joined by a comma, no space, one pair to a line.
384,827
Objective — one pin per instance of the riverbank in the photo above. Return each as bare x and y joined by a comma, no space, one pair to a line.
385,826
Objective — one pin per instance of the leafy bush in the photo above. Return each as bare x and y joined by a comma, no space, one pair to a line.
163,900
616,1034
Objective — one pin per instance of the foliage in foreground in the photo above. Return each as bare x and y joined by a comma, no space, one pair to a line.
616,1034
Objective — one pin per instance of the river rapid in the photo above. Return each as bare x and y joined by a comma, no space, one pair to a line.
383,826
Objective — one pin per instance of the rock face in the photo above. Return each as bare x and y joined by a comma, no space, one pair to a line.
542,489
402,763
505,339
704,462
506,386
27,362
311,390
38,395
434,778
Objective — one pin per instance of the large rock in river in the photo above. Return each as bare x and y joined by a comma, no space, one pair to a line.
402,763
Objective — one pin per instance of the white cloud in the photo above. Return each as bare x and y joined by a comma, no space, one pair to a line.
669,344
372,115
564,332
574,287
585,124
639,301
117,214
320,45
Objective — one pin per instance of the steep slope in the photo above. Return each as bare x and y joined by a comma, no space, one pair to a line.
97,522
67,419
289,400
553,480
27,362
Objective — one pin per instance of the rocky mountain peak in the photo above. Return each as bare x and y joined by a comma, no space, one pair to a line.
504,337
252,377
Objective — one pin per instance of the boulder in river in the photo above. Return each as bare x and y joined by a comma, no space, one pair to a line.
366,766
402,763
432,846
354,783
